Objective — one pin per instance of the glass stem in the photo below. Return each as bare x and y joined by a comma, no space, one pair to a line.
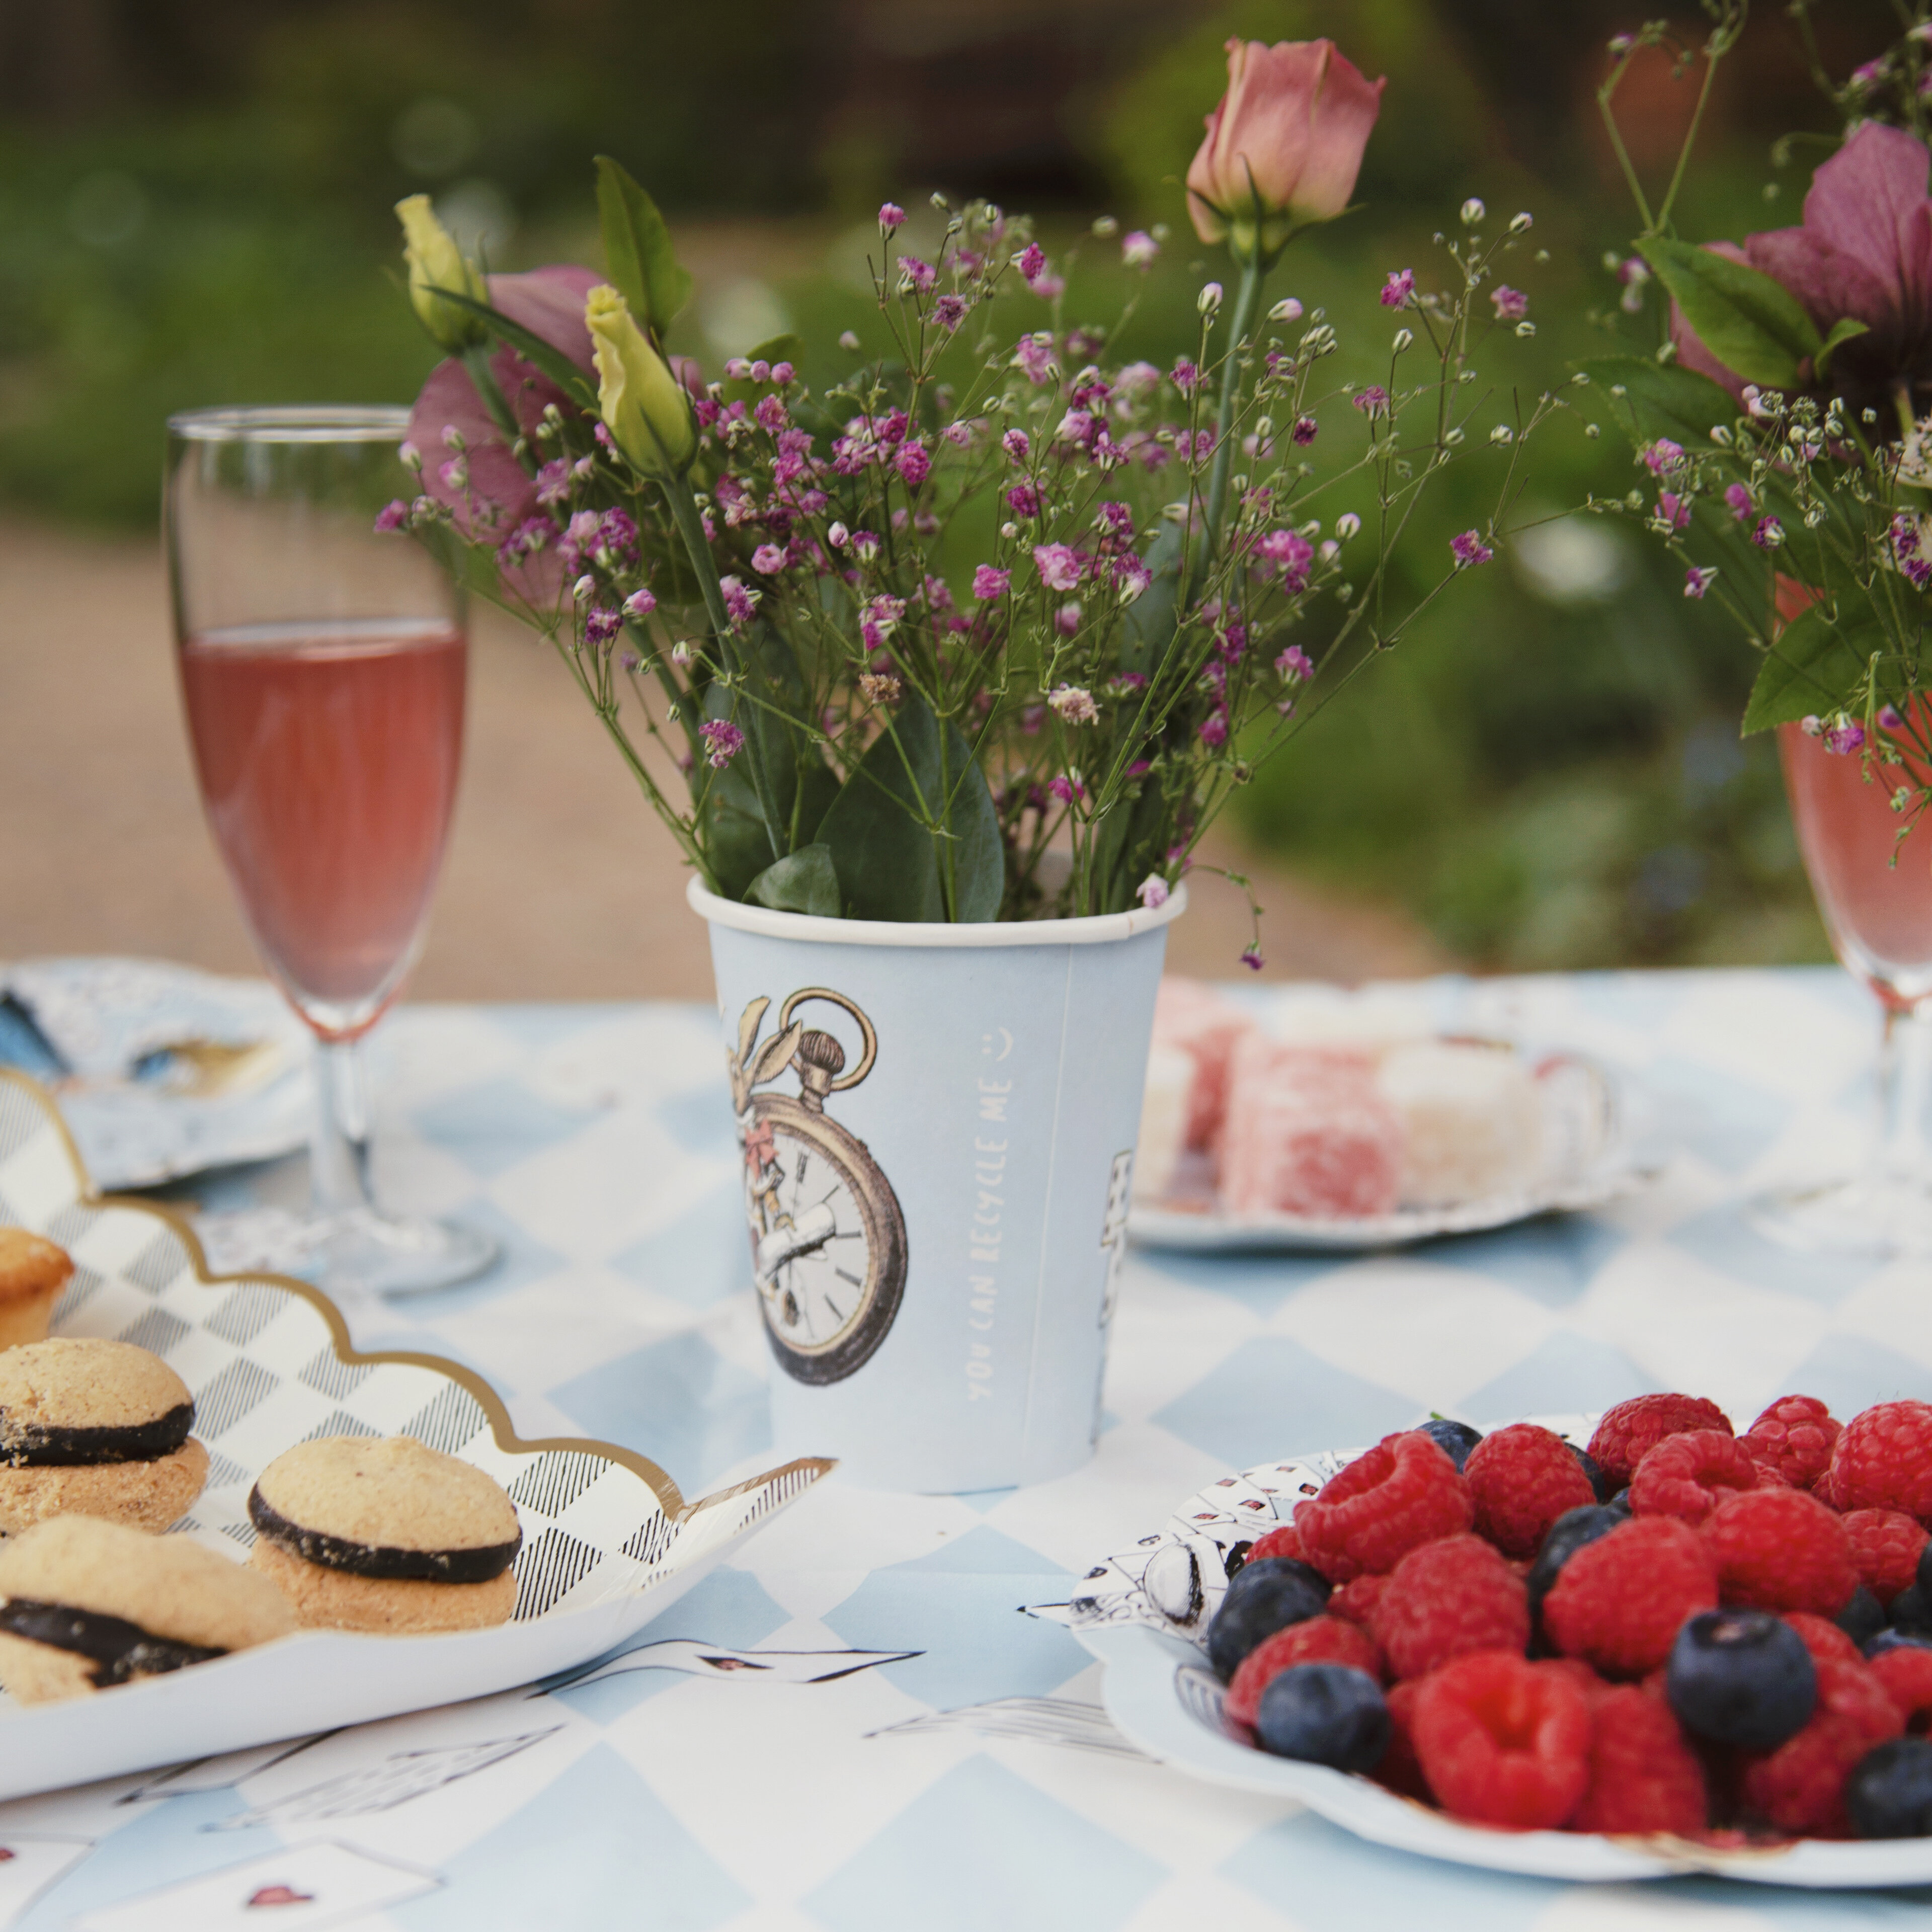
339,1153
1904,1055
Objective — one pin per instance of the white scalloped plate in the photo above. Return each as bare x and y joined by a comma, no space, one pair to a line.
1143,1613
1587,1162
609,1542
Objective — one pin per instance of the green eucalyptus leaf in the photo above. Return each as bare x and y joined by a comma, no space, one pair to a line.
1749,322
1148,627
1651,399
1129,844
889,864
1843,331
1815,666
803,881
532,348
638,253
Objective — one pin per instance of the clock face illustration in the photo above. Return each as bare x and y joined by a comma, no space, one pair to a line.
828,1238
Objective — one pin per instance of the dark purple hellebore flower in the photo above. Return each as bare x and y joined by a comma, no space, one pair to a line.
1864,251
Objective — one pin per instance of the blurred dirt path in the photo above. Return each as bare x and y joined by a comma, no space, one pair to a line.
559,884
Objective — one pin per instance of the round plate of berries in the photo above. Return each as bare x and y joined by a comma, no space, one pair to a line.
1606,1647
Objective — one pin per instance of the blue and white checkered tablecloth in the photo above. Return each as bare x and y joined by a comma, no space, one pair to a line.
850,1728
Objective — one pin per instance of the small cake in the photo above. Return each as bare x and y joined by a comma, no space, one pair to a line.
1170,1077
1309,1132
33,1272
1190,1018
95,1428
1471,1117
86,1604
364,1533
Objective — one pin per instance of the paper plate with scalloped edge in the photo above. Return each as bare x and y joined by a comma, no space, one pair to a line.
1145,1614
609,1541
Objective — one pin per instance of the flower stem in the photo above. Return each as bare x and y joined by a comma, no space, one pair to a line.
1253,274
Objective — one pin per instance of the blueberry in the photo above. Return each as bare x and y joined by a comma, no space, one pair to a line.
1267,1596
1455,1439
1741,1677
1620,1502
1564,1537
1911,1608
1892,1639
1591,1468
1889,1795
1325,1714
1863,1618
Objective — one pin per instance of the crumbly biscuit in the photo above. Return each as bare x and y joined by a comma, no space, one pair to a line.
170,1588
394,1606
146,1496
395,1493
33,1271
81,1382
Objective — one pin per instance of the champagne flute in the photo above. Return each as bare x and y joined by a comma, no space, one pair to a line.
322,669
1875,896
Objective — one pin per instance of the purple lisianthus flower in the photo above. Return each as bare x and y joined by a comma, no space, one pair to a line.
723,742
989,584
1399,287
1470,549
1023,499
915,462
392,516
1058,565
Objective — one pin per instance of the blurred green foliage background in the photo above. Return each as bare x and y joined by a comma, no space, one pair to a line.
194,208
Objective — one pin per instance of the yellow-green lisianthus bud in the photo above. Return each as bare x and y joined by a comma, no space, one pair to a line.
436,263
647,413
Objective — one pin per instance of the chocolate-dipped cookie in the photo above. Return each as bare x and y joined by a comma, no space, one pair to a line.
86,1604
95,1428
361,1533
33,1271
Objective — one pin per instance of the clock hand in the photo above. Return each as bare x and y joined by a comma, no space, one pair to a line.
811,1230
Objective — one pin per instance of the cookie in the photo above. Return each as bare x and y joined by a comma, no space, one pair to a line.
33,1272
95,1428
86,1604
361,1533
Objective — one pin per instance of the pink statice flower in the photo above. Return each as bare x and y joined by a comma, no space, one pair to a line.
639,605
1739,500
1470,549
1186,376
1843,736
916,276
1067,786
601,625
1399,288
1510,304
1138,249
1673,510
989,584
723,742
1031,262
1015,443
552,482
949,311
1306,429
915,462
1023,499
1213,731
1663,456
1058,565
768,559
1066,619
1252,960
1034,354
891,217
1288,554
1295,663
1152,892
1372,402
740,604
1131,577
392,516
1769,533
1698,580
1889,718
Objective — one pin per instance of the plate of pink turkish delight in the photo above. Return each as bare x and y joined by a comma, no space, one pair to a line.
1347,1122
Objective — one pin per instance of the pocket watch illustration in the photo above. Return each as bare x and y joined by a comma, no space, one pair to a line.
828,1238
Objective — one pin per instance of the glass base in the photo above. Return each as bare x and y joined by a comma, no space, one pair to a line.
366,1253
1874,1215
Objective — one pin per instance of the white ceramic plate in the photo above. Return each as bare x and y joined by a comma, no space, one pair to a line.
608,1540
1144,1612
1587,1162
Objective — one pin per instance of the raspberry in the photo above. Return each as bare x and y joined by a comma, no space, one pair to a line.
1794,1436
1319,1640
1400,1769
1885,1543
1906,1675
1448,1599
1827,1643
1580,1673
1403,1492
1778,1549
1522,1479
1502,1742
1883,1460
1643,1776
1688,1474
1284,1539
1632,1429
1800,1786
1355,1601
1620,1601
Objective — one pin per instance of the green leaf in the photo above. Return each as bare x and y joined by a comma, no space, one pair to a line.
888,863
1815,666
1148,627
805,881
1659,399
1129,843
554,364
1843,331
638,255
1747,321
786,348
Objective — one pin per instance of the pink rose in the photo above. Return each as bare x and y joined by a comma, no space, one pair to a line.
1284,146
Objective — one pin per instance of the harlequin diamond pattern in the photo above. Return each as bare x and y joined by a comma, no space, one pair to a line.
851,1726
